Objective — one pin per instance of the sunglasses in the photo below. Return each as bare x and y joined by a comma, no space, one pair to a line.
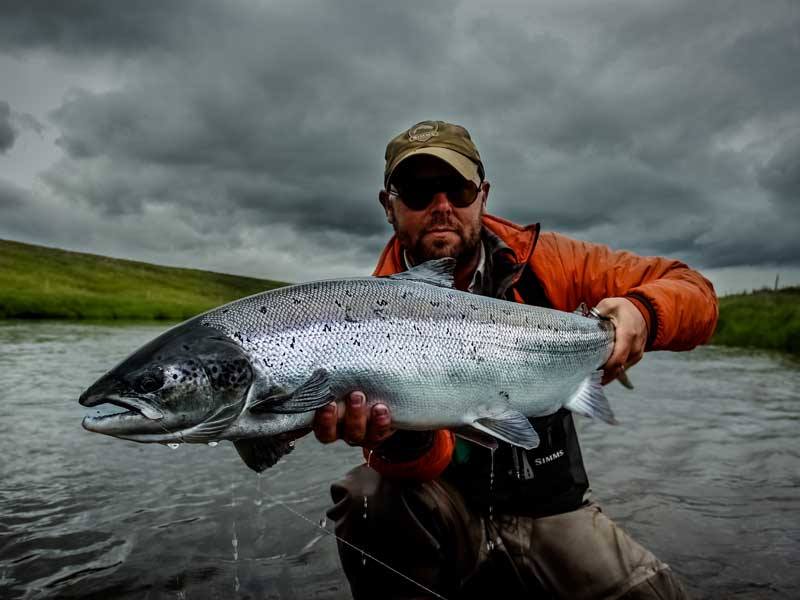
417,194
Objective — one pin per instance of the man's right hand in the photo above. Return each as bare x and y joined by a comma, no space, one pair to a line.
352,420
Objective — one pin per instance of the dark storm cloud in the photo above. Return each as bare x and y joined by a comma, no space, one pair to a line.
7,134
87,27
661,127
781,175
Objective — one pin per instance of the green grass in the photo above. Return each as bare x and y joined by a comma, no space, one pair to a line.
40,282
762,319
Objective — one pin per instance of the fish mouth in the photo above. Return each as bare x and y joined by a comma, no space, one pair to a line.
139,416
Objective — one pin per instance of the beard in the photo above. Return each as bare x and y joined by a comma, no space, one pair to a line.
425,247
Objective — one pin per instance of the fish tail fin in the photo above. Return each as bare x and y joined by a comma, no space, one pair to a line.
590,400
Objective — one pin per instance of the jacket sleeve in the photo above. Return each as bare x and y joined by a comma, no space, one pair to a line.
678,304
428,463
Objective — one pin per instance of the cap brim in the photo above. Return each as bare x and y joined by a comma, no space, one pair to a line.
465,167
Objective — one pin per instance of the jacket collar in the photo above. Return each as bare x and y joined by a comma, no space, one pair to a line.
520,240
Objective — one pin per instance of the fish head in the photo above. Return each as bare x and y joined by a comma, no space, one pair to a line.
190,382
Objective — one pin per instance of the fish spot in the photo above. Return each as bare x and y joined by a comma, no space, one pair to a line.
263,310
504,395
185,346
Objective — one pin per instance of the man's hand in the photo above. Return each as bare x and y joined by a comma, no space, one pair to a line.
631,335
353,421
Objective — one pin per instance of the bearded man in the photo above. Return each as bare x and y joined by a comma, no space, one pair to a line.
423,503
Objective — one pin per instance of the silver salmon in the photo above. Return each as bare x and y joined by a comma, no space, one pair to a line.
256,369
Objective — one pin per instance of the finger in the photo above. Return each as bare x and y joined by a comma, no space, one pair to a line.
354,427
379,426
617,360
325,421
633,358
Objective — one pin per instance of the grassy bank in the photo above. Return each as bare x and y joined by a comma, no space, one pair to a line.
762,319
40,282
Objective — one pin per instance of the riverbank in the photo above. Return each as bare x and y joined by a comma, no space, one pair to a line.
48,283
768,319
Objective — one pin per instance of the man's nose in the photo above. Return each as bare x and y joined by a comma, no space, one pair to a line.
439,202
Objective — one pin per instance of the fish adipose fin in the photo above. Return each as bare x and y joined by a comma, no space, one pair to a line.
439,272
590,400
262,453
510,426
312,394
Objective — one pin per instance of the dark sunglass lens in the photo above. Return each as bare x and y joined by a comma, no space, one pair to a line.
414,197
417,195
462,195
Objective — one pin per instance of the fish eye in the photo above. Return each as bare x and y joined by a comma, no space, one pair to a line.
150,381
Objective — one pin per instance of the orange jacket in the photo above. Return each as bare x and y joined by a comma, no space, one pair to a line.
678,304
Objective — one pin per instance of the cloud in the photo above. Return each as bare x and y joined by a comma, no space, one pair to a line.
7,134
781,176
238,131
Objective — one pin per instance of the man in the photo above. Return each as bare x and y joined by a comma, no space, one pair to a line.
456,519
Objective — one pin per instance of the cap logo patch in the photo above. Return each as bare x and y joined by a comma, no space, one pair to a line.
423,132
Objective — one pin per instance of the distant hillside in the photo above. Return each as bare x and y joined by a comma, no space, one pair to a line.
40,282
762,319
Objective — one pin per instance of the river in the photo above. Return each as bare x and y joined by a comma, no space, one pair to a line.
704,470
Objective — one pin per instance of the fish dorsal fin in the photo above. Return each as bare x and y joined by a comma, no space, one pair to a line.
439,272
590,400
315,392
262,453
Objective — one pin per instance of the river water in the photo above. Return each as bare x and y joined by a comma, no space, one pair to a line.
704,470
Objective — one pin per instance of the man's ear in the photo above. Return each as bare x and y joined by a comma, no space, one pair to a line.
388,206
485,186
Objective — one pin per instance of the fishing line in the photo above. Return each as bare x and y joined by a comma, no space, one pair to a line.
354,547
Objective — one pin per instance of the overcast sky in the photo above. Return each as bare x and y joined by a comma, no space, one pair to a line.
248,136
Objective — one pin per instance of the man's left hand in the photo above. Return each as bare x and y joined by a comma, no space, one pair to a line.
631,335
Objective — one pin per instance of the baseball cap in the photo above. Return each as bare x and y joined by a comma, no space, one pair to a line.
446,141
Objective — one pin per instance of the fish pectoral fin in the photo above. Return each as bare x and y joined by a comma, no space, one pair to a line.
590,399
510,426
310,395
440,271
262,453
265,397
